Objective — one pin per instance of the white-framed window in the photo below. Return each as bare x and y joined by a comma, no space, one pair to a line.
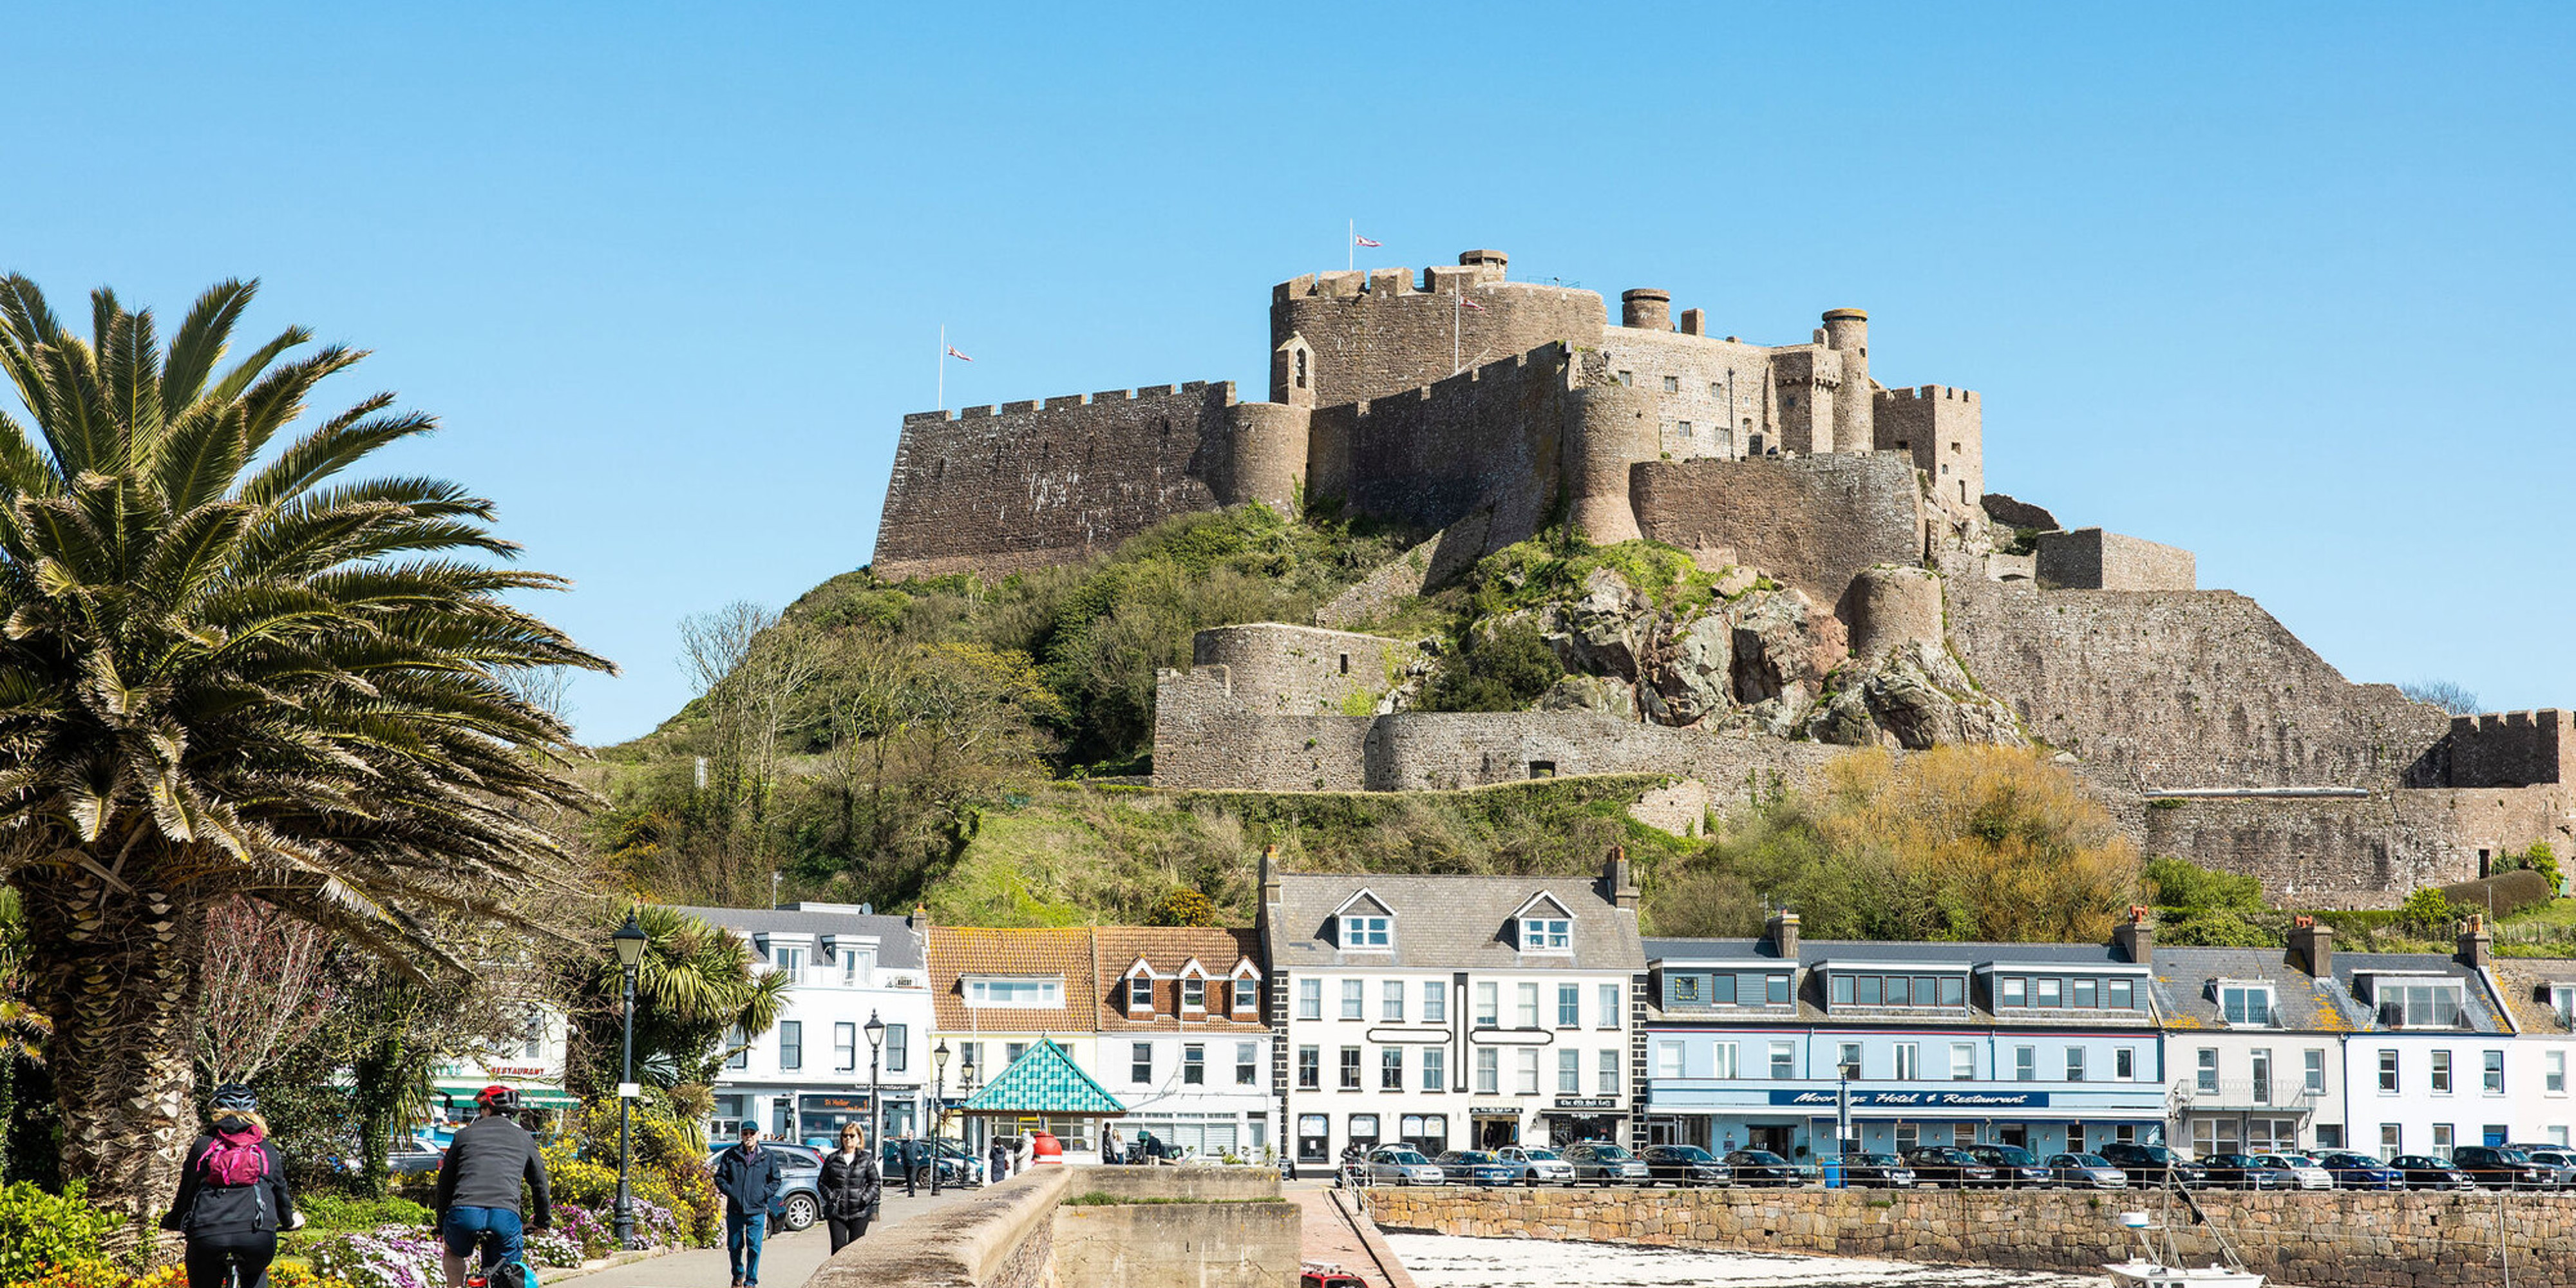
1354,999
2388,1073
789,959
1246,996
1193,994
1363,931
1020,992
856,964
1350,1069
1310,999
2313,1069
1435,1068
1722,1062
845,1047
1569,1006
1669,1059
2075,1064
2261,1062
898,1048
2491,1072
1569,1071
2413,1004
2392,1141
2441,1073
2205,1075
1963,1061
2016,990
1435,1001
2562,1001
1140,1062
2025,1064
1847,1060
1390,1068
1247,1063
1784,1058
1489,1070
1547,935
2124,1064
1310,1068
1529,1071
2442,1140
1610,1012
1194,1064
2553,1071
1608,1084
1529,1006
1140,995
1909,1061
1391,1001
1489,1005
2246,1005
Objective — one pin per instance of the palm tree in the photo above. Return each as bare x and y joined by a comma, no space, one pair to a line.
225,672
697,999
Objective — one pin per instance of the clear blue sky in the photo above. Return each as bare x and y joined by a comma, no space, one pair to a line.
2286,284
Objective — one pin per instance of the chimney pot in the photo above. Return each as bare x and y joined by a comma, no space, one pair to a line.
1783,933
2477,946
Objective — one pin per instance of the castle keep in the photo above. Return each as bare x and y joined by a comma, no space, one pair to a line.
1908,607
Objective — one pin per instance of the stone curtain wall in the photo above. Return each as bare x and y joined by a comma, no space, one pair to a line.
2181,689
1305,670
1206,736
1418,751
1395,337
1429,456
1047,482
2353,852
2091,559
1812,522
2507,749
2326,1239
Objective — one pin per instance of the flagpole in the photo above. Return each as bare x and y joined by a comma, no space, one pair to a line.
943,366
1351,248
1457,323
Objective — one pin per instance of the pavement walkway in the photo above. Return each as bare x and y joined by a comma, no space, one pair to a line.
786,1260
1329,1236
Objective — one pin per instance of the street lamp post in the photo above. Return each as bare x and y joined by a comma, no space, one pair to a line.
938,1105
876,1114
630,941
966,1091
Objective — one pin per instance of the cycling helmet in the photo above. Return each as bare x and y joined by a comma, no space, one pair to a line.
499,1099
232,1097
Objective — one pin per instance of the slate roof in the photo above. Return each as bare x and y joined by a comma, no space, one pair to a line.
898,944
1044,1081
1810,1005
1167,949
2475,1000
1448,923
1049,951
2301,1002
2526,981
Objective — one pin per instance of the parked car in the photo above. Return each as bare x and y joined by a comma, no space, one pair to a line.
2303,1170
958,1169
2246,1172
2558,1157
800,1185
1328,1276
1603,1163
1401,1165
2361,1172
2014,1166
1477,1167
2086,1171
2499,1168
2425,1172
1944,1165
1885,1171
1761,1167
1684,1165
419,1154
2154,1164
1539,1164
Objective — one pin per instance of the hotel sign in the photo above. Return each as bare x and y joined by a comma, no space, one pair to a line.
1916,1099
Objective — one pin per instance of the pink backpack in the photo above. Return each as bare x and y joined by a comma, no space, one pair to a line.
235,1158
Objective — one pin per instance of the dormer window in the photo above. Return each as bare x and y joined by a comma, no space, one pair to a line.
2562,1003
1547,934
789,960
1245,987
2417,1003
2247,1004
1140,995
1193,994
1368,931
1026,992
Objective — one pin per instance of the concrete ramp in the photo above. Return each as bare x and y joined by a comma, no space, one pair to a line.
1336,1230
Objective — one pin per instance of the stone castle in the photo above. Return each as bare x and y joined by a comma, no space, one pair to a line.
1459,403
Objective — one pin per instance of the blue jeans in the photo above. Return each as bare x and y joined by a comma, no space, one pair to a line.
496,1229
743,1232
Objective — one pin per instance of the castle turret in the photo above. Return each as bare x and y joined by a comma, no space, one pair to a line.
1385,331
1847,333
1266,447
1646,309
1610,428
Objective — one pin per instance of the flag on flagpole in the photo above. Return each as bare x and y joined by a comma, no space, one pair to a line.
1465,303
952,352
1358,240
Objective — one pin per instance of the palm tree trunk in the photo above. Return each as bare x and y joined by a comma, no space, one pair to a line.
116,969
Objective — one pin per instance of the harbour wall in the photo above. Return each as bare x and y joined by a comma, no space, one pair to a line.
2325,1239
1102,1227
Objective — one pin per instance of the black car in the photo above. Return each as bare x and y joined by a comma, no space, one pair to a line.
2153,1164
1478,1167
2014,1166
1885,1171
1684,1165
1943,1165
2425,1172
2499,1168
2360,1171
2242,1172
1761,1167
957,1167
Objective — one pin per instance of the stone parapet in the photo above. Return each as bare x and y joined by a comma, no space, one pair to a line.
2323,1239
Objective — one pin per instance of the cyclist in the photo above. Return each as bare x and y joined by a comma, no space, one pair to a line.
478,1187
233,1197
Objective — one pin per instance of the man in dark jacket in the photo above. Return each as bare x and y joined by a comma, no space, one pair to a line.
748,1179
912,1153
478,1187
1000,1166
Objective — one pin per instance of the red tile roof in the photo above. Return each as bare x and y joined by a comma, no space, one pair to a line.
1167,949
1064,952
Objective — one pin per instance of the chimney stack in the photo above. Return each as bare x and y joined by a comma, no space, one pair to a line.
1694,322
1269,876
2137,937
1622,888
1783,933
2477,947
2312,947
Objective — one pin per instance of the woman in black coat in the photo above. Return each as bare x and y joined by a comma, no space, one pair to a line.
851,1184
233,1198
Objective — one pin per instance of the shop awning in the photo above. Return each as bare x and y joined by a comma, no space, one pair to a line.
1044,1082
462,1092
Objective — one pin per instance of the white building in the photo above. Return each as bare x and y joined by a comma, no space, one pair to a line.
2540,1000
530,1061
1182,1042
2254,1040
812,1072
2427,1068
1453,1011
999,991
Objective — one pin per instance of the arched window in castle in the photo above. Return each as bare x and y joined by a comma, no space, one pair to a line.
1301,368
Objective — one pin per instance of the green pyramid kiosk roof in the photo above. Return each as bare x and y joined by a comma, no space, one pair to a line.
1045,1081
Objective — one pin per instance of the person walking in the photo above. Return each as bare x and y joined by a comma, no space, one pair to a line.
748,1179
477,1206
852,1186
907,1155
233,1198
1112,1149
1000,1154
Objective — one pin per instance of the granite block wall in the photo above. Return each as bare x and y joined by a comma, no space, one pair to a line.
1812,522
1428,457
2350,852
1305,670
2091,559
1394,335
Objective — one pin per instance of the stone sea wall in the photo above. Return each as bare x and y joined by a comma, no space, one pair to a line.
2328,1239
1101,1227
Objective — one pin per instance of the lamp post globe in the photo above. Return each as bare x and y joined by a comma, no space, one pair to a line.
875,1029
629,941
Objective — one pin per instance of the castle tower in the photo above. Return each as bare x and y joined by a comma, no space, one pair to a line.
1389,331
1847,333
1646,309
1609,428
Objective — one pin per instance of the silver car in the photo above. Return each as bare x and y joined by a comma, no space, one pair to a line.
2080,1170
1401,1165
1606,1164
2306,1173
1544,1166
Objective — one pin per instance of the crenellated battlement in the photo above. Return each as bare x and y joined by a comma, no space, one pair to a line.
1928,393
2510,749
1190,390
1514,367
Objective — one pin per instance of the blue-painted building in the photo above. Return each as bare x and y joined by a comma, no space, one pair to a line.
1756,1043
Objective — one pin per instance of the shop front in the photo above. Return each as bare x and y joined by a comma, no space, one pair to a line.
1801,1123
1581,1118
